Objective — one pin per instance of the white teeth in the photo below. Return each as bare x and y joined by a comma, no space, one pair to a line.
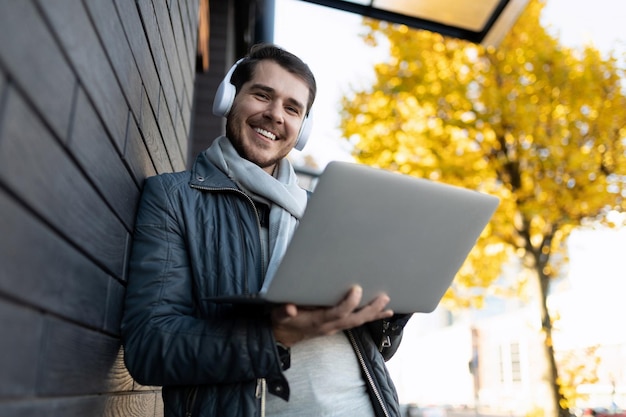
266,133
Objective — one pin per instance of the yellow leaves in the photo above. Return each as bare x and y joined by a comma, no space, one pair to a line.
585,149
434,88
403,29
538,231
559,111
577,367
379,101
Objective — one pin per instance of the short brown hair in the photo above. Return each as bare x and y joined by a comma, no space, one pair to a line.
287,60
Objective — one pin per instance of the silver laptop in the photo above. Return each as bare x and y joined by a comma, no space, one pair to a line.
387,232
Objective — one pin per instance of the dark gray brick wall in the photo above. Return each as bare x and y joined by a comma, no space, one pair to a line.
95,96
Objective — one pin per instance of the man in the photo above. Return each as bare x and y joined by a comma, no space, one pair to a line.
220,229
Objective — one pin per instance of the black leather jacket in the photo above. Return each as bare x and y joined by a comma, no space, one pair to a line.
195,238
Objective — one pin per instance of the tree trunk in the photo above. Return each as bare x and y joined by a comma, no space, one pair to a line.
546,326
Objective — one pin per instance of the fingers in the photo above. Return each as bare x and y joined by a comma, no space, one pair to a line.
347,315
292,324
284,312
346,306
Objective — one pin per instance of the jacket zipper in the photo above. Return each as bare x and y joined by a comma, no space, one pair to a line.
386,340
261,388
191,400
368,375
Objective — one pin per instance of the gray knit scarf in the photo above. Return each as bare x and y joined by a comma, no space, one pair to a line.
281,192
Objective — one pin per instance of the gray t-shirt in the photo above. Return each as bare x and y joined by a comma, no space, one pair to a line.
324,381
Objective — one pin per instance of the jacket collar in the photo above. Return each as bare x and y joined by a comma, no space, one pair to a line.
205,174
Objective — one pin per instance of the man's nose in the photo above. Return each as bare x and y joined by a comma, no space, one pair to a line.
274,111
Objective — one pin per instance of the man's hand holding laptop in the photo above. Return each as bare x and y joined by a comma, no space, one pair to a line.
293,324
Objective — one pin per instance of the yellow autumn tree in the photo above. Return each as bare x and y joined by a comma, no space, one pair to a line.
540,125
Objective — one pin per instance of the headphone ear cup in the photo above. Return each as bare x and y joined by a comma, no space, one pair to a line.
225,94
305,131
224,98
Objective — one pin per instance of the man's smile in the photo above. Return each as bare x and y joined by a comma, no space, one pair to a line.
266,133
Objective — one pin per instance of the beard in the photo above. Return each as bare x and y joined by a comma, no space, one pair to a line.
263,155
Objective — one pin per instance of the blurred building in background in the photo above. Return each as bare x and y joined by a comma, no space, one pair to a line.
492,358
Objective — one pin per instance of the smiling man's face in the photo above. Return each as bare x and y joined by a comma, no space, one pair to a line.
266,115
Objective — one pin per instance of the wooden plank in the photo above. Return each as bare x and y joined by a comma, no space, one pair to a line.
114,307
79,40
190,32
149,20
193,10
136,155
182,134
3,82
35,63
40,269
193,14
35,168
109,27
92,406
153,140
22,330
94,152
185,112
137,405
159,409
172,58
166,127
136,36
186,65
77,361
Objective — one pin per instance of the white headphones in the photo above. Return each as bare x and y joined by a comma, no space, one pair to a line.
225,96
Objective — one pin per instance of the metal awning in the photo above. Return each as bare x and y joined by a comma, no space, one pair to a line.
478,21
